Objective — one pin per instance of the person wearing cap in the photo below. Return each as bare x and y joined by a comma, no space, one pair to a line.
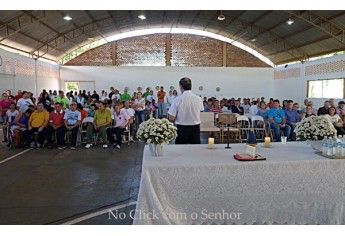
341,108
185,111
56,125
72,120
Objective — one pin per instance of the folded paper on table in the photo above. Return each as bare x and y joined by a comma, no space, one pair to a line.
246,157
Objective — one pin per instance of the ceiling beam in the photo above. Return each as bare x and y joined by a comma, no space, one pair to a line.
308,42
327,26
10,30
283,44
231,20
65,35
30,37
210,20
99,31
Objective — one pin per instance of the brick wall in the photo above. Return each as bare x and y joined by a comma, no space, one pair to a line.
142,50
237,57
194,50
150,50
100,56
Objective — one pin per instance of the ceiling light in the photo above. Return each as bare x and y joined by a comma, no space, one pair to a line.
142,17
253,40
290,21
68,18
221,16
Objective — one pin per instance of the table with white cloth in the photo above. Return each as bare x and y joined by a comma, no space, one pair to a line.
192,184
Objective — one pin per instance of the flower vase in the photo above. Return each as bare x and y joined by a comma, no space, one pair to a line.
157,150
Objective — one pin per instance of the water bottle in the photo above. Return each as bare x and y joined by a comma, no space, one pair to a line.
330,147
339,146
324,145
335,146
343,146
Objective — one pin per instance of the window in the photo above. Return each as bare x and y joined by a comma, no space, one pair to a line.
330,88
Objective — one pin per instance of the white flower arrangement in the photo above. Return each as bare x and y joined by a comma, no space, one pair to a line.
314,128
157,131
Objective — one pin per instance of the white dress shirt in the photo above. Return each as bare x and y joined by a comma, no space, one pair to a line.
169,101
186,108
253,110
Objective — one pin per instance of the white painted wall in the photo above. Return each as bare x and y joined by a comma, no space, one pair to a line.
233,81
14,81
296,88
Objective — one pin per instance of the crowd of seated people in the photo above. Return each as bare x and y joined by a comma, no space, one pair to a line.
280,118
56,113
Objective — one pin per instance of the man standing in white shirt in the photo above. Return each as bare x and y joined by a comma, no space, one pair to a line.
185,111
170,99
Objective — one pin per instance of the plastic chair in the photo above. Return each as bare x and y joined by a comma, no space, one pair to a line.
207,124
244,124
258,129
83,131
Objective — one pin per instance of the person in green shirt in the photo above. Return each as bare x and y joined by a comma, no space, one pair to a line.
125,96
101,122
147,93
62,99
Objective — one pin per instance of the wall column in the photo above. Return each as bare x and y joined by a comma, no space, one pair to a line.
168,50
113,53
224,54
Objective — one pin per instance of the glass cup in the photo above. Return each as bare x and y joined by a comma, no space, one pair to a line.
283,139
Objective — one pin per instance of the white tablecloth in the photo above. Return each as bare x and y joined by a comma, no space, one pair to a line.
195,185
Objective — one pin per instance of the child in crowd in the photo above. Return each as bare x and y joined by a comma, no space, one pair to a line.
154,108
148,110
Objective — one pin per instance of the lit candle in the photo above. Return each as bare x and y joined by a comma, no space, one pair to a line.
267,141
211,143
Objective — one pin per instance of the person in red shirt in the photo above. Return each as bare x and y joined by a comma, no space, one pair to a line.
4,106
56,125
161,106
216,107
18,96
270,104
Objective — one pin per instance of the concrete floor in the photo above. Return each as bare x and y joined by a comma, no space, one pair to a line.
53,186
70,186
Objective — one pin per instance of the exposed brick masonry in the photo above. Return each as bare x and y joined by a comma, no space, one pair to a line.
186,50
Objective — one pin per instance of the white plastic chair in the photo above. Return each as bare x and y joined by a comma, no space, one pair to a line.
82,131
257,129
244,124
207,123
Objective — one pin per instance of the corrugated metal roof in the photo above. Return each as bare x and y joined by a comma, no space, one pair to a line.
46,34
